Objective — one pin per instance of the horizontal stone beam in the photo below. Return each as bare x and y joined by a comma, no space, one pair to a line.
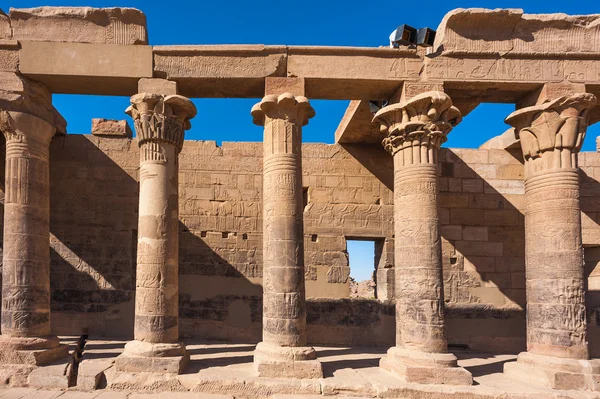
80,68
356,125
334,73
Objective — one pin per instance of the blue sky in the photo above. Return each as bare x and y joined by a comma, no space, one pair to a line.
308,22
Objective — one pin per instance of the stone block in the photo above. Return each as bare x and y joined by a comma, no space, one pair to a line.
451,232
279,86
160,86
81,68
146,364
472,185
479,248
472,233
58,375
416,372
91,374
5,29
498,186
555,372
111,127
469,217
290,369
79,24
9,55
38,357
15,375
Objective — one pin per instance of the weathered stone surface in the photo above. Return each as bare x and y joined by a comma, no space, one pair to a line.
160,122
79,24
19,94
551,136
416,127
504,141
81,68
59,375
283,352
110,127
510,32
91,374
9,55
5,28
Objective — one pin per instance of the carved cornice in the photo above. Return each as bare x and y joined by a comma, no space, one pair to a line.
295,109
160,118
423,120
552,133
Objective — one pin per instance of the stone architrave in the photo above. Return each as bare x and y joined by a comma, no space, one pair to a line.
415,129
557,354
283,351
160,124
28,122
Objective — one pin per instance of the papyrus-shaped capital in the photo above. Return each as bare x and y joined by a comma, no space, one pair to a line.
295,109
161,118
559,124
425,119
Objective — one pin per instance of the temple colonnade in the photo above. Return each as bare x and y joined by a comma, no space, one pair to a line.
551,131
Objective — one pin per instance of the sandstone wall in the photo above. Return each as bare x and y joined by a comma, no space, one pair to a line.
347,195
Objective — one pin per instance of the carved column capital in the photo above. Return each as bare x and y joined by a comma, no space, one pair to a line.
26,108
23,127
295,109
160,118
423,121
552,133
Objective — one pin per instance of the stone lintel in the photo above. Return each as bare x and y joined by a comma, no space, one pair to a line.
158,86
549,92
111,128
81,68
277,86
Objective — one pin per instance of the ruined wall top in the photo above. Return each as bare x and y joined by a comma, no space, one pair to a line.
511,32
75,24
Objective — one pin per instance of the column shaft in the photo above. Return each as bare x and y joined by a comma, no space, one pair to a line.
160,123
419,285
157,272
284,307
551,135
26,261
283,351
556,320
415,130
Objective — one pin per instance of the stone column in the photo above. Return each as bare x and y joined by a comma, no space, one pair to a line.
26,336
557,356
160,124
283,351
415,130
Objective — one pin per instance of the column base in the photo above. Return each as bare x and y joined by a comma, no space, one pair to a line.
146,357
555,372
286,362
425,368
35,351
